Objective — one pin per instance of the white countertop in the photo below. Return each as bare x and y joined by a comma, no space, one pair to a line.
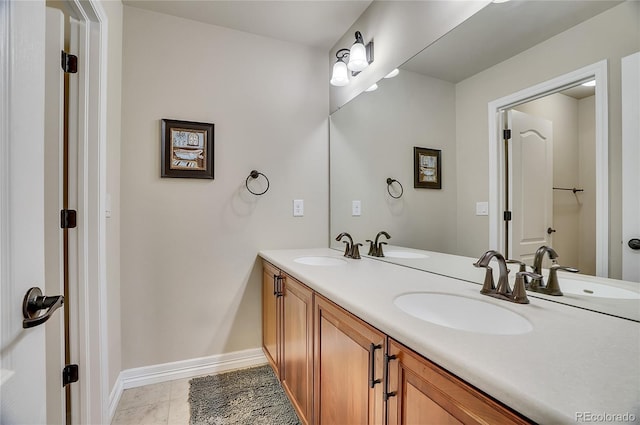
572,361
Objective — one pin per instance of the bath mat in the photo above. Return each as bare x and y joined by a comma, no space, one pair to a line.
242,397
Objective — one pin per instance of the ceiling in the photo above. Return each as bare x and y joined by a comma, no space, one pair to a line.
315,23
498,32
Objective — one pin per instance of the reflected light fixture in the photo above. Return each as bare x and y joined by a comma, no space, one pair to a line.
360,56
591,83
373,87
392,73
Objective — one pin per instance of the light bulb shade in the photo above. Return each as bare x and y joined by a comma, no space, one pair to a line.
340,75
358,57
373,87
392,73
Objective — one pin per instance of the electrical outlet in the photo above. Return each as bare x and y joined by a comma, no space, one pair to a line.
482,208
356,208
298,207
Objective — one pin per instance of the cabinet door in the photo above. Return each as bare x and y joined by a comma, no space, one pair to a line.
348,368
422,393
296,367
271,315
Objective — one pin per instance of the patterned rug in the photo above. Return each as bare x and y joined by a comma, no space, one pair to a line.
242,397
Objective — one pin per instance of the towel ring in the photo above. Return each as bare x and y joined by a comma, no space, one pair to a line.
390,181
254,175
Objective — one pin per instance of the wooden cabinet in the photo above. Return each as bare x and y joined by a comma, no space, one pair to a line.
296,367
422,393
271,315
348,354
337,369
287,336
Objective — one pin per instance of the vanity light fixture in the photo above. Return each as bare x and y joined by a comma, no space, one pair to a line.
360,56
392,73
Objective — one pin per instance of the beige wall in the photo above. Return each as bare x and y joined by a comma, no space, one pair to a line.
587,220
113,10
372,138
610,35
190,275
399,29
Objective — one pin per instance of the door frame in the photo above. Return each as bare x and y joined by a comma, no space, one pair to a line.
91,156
597,71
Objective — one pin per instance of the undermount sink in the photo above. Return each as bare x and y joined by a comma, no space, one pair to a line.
592,289
463,313
320,261
404,254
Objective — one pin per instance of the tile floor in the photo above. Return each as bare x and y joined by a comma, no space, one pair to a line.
157,404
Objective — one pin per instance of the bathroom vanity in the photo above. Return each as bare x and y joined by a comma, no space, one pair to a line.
353,341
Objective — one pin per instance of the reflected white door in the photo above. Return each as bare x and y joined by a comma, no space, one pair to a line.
630,166
22,351
531,188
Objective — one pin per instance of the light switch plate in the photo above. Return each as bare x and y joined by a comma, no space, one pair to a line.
482,208
356,208
298,207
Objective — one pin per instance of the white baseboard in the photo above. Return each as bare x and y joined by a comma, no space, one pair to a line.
146,375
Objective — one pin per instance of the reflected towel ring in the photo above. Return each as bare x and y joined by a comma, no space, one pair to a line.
254,175
390,181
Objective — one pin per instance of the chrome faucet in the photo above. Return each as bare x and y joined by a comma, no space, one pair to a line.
503,280
375,247
351,250
539,256
503,291
552,287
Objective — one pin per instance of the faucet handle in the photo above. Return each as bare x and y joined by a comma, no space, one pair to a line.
553,287
523,268
347,248
522,264
488,287
379,252
355,251
519,287
372,248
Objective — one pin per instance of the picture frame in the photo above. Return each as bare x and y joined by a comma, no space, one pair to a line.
427,168
187,149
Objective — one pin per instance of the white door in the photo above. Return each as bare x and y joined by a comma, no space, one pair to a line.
531,188
630,167
22,351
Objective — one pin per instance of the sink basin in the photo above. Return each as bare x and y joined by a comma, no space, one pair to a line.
320,261
404,254
592,289
462,313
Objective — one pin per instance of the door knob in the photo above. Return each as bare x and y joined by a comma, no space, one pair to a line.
550,231
634,243
33,302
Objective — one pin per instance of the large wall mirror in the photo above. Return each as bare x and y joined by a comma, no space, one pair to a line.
440,100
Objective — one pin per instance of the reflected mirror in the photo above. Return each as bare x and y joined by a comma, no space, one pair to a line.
439,101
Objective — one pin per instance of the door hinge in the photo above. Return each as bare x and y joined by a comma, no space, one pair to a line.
69,374
506,134
68,219
69,63
507,216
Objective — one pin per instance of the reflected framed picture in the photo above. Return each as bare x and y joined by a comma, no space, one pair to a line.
427,172
187,149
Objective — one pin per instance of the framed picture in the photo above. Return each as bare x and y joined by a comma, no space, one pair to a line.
427,173
187,149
